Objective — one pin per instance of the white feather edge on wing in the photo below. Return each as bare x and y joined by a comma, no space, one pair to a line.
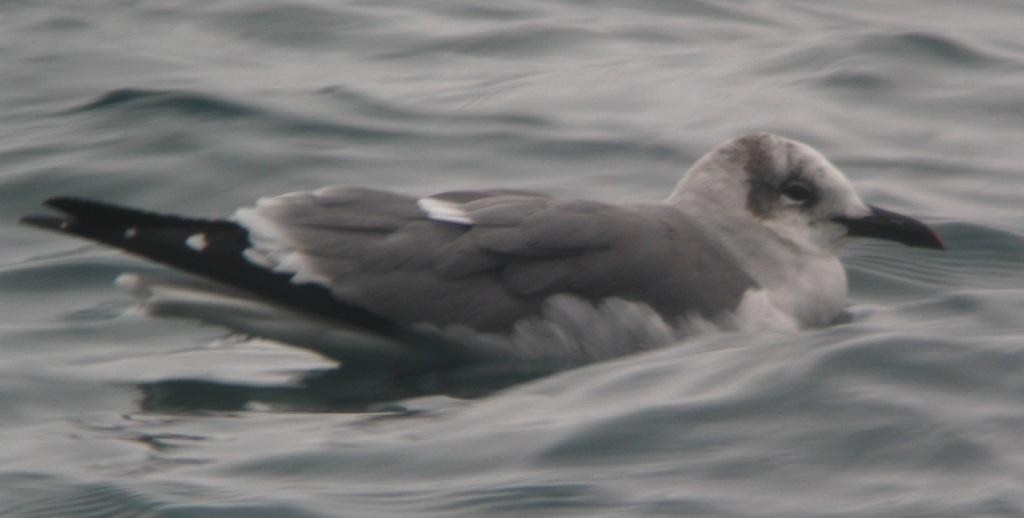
271,247
444,210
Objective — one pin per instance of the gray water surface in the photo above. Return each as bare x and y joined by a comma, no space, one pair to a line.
912,409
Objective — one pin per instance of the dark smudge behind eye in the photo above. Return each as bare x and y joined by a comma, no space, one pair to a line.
762,195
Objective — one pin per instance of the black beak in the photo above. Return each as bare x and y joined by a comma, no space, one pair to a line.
884,224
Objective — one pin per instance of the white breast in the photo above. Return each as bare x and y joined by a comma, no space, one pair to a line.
811,295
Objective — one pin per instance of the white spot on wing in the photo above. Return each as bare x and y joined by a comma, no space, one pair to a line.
304,272
127,281
257,258
197,242
131,232
440,210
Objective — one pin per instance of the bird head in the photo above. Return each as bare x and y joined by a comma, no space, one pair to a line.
792,192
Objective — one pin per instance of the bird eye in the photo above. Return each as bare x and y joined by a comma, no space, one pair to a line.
797,193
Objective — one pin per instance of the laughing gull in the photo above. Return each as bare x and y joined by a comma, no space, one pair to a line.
747,240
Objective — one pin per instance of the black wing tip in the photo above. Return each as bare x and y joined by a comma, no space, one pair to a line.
74,205
69,206
64,203
44,221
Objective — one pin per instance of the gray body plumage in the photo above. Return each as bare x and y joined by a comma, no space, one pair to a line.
517,250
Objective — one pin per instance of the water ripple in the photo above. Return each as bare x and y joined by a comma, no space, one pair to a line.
196,105
71,499
915,46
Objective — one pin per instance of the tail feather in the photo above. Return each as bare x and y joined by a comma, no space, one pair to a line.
213,249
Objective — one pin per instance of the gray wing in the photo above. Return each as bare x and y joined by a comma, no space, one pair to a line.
487,259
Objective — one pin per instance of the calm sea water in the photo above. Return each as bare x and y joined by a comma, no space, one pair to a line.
916,408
